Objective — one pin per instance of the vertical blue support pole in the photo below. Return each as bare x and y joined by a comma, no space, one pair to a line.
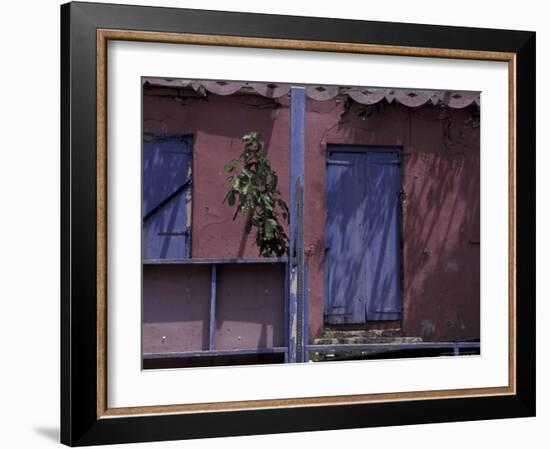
305,352
296,246
286,313
456,349
292,314
212,328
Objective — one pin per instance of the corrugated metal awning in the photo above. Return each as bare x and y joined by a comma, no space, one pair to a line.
363,95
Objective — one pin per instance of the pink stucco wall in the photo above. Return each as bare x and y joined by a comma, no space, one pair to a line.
176,307
440,177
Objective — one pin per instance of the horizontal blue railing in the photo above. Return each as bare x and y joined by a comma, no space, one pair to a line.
455,346
221,352
257,260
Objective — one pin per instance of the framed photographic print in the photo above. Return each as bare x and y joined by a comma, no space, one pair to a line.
276,224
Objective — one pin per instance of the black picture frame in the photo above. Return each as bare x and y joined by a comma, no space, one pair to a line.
81,424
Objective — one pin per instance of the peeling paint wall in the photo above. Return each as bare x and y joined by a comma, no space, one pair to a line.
440,178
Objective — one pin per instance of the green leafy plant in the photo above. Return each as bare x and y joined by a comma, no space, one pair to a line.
254,190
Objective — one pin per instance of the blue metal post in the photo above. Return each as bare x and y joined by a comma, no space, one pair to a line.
296,246
212,328
286,311
305,352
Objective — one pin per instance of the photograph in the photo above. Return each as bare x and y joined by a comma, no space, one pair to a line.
286,223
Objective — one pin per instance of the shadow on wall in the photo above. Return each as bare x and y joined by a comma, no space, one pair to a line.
441,214
442,245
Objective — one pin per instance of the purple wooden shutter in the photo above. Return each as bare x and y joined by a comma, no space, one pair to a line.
362,266
345,281
383,243
167,197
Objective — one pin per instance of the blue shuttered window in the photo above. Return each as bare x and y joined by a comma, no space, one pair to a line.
166,208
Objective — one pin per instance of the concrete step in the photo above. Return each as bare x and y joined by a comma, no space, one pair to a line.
349,340
363,333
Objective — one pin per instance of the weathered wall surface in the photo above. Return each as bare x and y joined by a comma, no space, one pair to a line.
176,307
440,178
440,213
217,126
250,306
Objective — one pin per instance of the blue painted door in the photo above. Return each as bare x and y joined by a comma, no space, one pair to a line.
362,238
166,208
